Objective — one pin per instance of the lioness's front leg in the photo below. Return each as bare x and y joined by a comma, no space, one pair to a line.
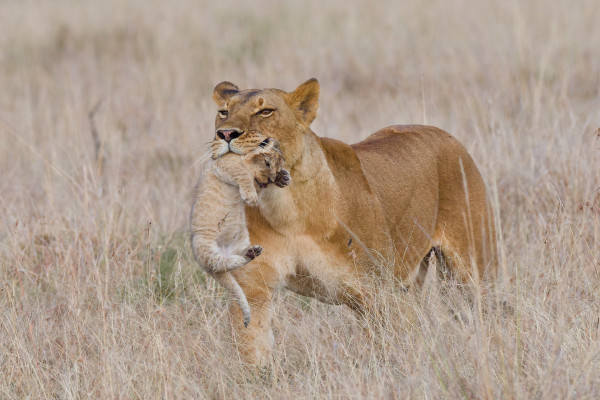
333,278
258,281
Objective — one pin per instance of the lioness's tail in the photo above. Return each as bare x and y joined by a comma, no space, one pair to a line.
229,282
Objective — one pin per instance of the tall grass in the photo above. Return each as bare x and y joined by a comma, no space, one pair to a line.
100,296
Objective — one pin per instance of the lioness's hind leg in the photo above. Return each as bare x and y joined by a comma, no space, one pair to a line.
468,249
465,225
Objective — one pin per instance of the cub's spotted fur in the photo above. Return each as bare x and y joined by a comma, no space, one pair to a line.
218,222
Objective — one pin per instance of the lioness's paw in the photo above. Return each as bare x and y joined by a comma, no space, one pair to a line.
283,178
253,251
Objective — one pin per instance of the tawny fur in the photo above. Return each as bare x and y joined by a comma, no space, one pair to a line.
401,191
219,234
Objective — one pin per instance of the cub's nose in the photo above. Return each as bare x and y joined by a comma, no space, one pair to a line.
229,134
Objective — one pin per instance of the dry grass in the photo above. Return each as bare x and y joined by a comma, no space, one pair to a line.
100,297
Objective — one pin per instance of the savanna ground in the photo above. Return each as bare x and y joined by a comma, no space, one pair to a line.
99,294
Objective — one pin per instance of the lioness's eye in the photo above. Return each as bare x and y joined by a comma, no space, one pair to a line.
266,112
223,113
268,165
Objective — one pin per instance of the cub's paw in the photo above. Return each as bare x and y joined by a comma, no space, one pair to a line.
283,178
253,251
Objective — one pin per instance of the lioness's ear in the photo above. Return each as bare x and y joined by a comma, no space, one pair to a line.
305,100
223,91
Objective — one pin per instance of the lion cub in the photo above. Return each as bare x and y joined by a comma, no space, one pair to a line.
220,239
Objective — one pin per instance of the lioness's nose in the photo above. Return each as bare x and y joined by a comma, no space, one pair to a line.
229,134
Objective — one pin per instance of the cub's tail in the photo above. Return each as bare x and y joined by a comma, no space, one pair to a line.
228,281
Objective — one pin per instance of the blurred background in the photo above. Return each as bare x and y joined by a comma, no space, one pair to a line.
105,109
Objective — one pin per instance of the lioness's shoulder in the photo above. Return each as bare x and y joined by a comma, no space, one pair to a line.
340,154
345,164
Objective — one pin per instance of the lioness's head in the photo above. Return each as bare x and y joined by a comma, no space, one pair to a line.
245,118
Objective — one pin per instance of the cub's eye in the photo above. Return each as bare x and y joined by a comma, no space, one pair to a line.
266,112
268,165
223,113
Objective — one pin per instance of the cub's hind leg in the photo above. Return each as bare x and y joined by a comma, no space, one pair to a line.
214,261
252,251
223,263
233,262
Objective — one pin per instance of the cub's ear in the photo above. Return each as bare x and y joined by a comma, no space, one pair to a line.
270,144
276,146
223,91
305,100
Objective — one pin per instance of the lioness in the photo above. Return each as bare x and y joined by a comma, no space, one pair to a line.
218,223
401,192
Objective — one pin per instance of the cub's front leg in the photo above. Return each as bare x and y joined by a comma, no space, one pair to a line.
283,178
249,195
247,190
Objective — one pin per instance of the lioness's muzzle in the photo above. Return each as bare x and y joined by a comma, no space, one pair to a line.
229,134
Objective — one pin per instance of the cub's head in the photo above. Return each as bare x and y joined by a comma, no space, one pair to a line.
245,118
266,161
